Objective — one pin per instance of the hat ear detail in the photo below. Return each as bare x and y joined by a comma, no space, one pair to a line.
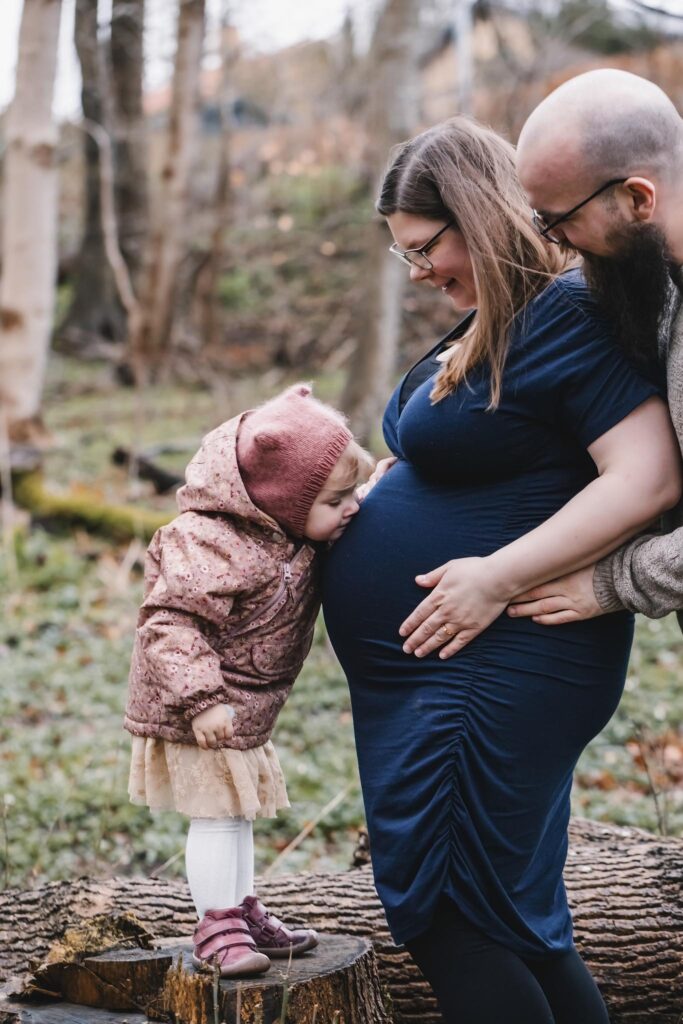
267,441
304,390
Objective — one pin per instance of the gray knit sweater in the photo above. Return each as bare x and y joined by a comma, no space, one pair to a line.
646,575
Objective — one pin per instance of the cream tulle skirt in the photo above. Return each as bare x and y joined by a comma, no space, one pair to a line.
206,783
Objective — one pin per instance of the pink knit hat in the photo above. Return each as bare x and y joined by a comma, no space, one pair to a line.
286,449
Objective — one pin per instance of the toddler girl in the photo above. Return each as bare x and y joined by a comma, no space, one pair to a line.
231,599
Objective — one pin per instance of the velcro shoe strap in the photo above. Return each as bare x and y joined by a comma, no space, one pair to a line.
229,924
221,942
256,913
270,928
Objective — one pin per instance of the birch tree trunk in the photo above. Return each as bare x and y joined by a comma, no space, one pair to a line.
392,117
170,236
130,140
96,313
29,240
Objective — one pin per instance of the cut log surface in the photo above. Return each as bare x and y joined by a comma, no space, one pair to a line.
625,889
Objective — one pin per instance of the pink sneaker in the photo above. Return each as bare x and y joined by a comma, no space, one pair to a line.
222,937
271,936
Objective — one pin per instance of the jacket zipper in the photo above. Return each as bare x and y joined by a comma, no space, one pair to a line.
287,576
285,586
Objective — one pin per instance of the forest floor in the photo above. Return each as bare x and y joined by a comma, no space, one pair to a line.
70,603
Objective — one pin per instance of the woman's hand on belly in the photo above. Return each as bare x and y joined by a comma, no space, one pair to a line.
465,599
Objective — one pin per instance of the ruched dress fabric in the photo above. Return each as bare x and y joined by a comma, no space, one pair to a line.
466,764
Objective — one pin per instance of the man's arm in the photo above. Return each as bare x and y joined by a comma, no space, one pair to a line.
645,575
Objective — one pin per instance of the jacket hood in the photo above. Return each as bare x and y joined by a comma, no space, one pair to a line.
213,479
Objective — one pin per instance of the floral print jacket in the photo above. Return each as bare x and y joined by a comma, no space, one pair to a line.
229,608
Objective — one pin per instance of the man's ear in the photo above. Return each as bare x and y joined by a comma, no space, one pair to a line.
642,198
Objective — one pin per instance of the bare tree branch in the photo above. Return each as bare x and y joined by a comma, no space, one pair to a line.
641,5
109,228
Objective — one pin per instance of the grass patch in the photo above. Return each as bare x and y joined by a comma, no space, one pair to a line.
65,642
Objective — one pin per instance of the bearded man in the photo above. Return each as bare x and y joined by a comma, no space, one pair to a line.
601,159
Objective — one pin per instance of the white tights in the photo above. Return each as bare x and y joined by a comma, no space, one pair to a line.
219,860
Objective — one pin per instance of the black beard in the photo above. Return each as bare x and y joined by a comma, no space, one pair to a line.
632,289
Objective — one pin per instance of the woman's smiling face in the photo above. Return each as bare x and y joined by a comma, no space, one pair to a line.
452,269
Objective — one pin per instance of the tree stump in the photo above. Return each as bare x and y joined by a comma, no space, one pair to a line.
336,982
625,889
117,980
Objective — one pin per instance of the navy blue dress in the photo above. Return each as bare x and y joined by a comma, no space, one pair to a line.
466,764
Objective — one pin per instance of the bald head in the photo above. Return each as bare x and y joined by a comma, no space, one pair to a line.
601,125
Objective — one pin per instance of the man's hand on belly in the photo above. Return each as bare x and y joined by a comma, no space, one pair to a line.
465,599
570,598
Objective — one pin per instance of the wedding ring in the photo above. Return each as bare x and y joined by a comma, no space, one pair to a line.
446,629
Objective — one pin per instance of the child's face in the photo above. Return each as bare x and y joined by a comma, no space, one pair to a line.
333,508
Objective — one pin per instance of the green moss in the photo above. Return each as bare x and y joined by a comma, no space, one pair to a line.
118,522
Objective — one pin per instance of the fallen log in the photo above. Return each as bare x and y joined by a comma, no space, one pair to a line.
64,1013
625,888
144,469
117,522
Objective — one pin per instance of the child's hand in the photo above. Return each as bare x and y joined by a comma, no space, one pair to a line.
382,467
212,726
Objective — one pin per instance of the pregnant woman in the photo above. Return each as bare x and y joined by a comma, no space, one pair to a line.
525,446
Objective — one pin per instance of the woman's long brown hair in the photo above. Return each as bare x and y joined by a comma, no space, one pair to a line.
463,172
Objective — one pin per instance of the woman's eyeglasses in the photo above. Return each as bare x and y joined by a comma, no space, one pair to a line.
418,257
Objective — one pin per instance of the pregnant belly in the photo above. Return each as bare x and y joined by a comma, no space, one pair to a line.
408,526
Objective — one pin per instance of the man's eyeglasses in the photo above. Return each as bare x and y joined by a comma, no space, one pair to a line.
418,257
545,227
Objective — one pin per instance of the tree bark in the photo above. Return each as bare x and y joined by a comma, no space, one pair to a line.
130,141
209,277
169,238
392,117
29,242
625,888
95,313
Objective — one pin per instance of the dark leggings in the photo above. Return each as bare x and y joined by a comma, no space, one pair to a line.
477,981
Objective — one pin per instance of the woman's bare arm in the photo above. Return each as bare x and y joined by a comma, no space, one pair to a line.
639,467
